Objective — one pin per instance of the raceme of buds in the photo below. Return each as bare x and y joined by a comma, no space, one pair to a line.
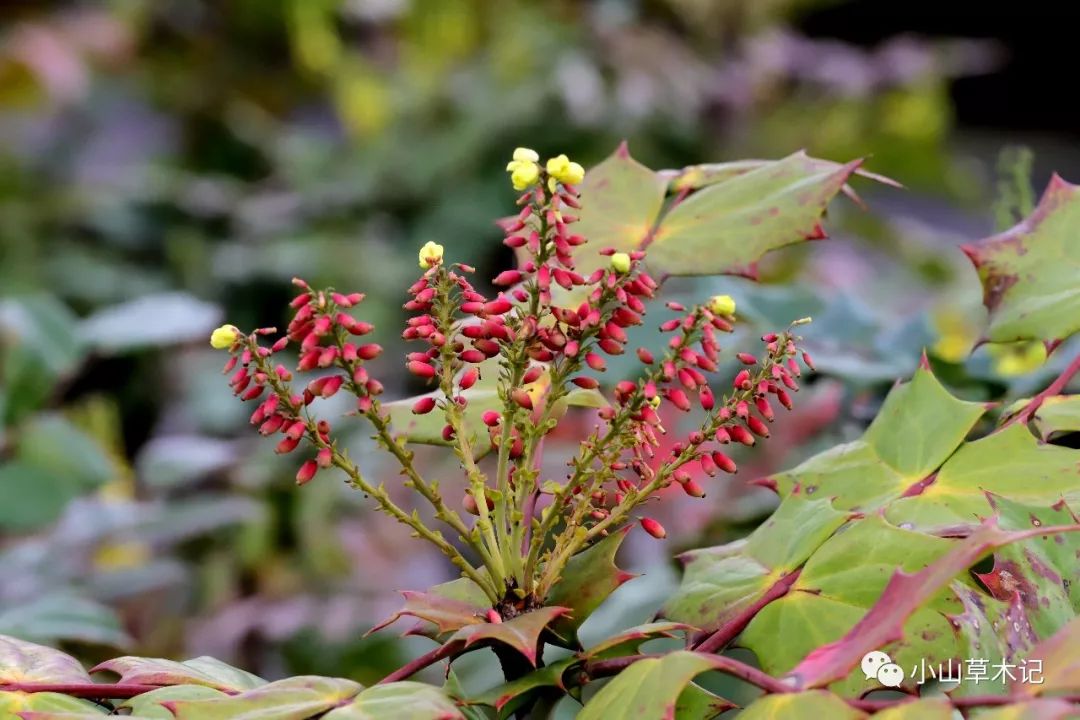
499,368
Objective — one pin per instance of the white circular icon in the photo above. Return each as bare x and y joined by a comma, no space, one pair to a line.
872,662
890,675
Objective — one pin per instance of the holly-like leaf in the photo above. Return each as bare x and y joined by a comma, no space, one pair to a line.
903,595
295,698
12,704
27,662
447,614
1009,462
925,709
150,704
918,427
1060,656
724,227
197,671
1058,414
503,697
589,578
811,705
400,701
723,583
649,688
839,583
522,633
1032,710
697,703
1029,272
629,641
728,226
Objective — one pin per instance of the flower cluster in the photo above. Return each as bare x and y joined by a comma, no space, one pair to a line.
537,346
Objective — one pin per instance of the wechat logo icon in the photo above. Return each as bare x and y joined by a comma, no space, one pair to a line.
879,666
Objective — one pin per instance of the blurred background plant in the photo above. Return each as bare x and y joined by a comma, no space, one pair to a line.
166,164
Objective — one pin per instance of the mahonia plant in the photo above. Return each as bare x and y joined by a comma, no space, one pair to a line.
545,337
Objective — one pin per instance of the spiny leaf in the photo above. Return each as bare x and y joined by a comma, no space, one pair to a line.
630,640
295,698
722,582
1060,657
150,704
502,697
589,578
811,705
724,227
918,427
400,701
903,595
27,662
198,671
1029,272
446,613
1058,414
521,633
649,688
11,703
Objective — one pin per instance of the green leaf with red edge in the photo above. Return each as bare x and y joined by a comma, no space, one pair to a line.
723,583
903,595
12,704
810,705
1031,710
649,688
1057,414
206,671
27,662
446,613
521,633
839,583
724,227
920,425
697,703
506,697
629,641
728,226
588,579
295,698
933,708
150,705
1060,655
1010,462
400,701
1029,272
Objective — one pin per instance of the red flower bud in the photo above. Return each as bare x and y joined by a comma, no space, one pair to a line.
532,374
369,351
706,398
722,436
764,408
585,382
678,399
572,348
783,398
723,462
808,361
741,435
653,528
707,464
472,356
468,378
611,347
692,489
287,445
757,427
746,358
645,356
491,418
742,381
307,472
596,362
519,396
424,405
325,457
421,369
507,277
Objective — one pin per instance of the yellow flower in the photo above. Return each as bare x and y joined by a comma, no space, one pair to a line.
620,263
523,169
523,154
224,337
524,174
956,335
431,254
565,171
1018,358
722,305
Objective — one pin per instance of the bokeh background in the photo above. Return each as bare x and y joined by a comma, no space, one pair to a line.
168,164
